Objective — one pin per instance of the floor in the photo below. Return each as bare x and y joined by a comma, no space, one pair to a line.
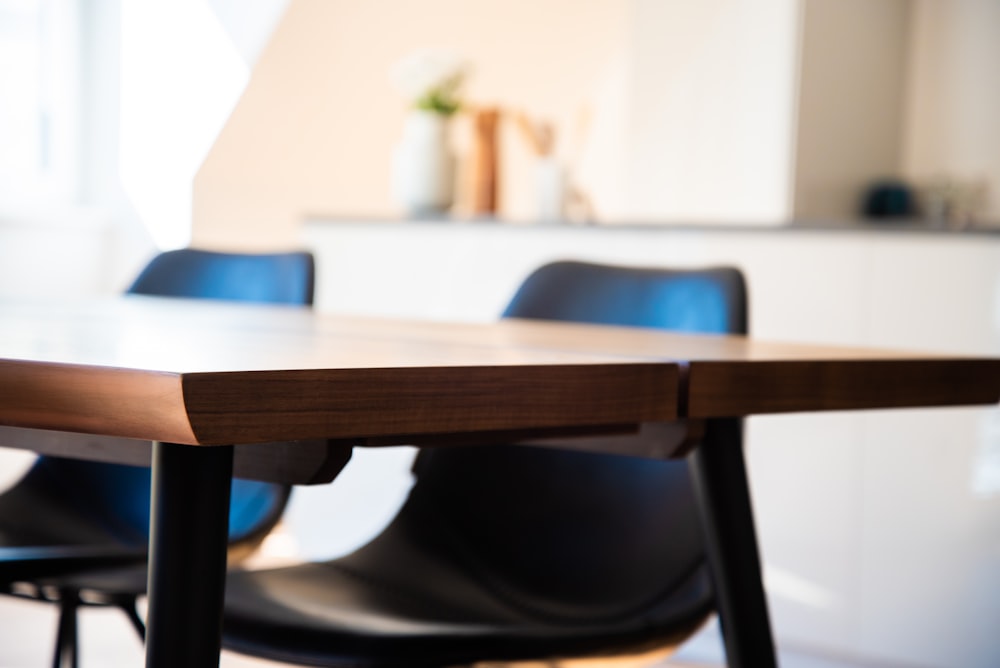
27,632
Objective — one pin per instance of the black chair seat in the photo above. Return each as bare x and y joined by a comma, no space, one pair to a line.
48,526
416,596
42,509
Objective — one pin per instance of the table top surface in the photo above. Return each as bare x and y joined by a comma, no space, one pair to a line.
206,372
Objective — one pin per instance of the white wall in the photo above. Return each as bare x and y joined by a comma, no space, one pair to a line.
953,103
897,89
852,71
711,104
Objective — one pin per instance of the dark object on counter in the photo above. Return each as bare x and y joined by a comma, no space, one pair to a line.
888,199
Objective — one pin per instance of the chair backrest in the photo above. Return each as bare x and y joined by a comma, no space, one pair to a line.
118,495
568,533
281,278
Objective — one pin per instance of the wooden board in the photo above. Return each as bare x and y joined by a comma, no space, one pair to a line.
200,372
213,373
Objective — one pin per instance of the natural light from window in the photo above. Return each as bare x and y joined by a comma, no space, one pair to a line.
38,102
181,76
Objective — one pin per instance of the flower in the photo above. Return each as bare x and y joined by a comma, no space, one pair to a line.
432,79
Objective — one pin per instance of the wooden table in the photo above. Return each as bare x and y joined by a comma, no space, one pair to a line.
297,390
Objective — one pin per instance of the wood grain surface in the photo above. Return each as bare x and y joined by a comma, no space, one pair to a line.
201,372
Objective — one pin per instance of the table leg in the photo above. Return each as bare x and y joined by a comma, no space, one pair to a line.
189,525
720,483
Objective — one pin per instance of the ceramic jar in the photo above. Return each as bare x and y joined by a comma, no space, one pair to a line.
423,165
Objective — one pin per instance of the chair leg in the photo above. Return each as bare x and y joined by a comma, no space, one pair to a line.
130,607
66,645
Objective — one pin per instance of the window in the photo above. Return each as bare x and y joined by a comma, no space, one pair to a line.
39,102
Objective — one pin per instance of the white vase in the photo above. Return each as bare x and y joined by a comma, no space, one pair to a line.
423,166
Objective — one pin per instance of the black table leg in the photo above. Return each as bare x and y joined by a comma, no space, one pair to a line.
189,522
720,483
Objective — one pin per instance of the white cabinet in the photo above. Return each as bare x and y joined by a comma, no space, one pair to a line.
880,531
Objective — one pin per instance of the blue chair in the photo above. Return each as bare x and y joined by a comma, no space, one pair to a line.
508,553
283,278
67,521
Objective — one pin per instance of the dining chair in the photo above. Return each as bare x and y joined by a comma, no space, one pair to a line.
70,529
515,553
